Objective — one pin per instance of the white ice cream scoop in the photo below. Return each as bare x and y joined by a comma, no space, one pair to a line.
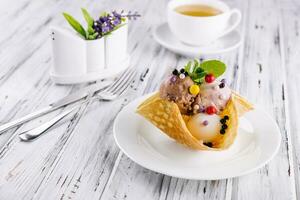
205,127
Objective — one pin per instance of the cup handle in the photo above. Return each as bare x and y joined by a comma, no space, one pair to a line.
236,23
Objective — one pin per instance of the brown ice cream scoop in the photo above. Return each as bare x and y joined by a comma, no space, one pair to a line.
177,90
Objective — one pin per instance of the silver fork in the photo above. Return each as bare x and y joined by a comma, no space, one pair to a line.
116,89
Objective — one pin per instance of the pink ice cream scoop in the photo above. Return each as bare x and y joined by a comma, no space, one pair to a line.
214,94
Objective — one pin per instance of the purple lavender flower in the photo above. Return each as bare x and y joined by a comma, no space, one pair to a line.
106,27
116,21
104,19
116,15
109,22
131,15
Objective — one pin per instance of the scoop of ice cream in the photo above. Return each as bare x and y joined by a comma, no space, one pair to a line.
176,89
204,127
214,94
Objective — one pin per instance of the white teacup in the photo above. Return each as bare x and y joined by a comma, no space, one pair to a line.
201,30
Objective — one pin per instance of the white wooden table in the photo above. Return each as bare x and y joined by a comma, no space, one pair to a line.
78,159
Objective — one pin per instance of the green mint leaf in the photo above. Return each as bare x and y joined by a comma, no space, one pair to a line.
199,70
87,17
75,24
198,75
196,64
198,80
215,67
187,67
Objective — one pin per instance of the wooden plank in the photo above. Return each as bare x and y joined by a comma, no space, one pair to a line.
79,159
290,29
263,80
27,58
18,99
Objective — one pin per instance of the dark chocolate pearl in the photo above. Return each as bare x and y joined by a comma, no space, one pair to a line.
189,111
226,117
223,121
209,144
182,70
175,72
222,85
223,80
224,126
186,74
222,131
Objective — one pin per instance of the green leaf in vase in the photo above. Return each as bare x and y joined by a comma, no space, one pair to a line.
215,67
87,17
103,14
90,30
75,24
93,36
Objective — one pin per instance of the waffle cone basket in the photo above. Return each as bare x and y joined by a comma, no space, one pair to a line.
166,116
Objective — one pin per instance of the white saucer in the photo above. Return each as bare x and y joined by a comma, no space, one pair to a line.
92,76
163,35
150,148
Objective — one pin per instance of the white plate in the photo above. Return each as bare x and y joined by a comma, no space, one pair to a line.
150,148
163,35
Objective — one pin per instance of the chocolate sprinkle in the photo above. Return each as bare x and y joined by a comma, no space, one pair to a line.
224,126
223,121
222,85
222,131
209,144
175,72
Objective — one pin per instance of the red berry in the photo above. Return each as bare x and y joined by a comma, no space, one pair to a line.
209,78
211,110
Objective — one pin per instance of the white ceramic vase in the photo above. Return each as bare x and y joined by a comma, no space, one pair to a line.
116,46
76,60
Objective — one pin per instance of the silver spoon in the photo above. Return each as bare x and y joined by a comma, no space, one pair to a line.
35,132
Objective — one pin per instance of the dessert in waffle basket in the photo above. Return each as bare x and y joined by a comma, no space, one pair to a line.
195,108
